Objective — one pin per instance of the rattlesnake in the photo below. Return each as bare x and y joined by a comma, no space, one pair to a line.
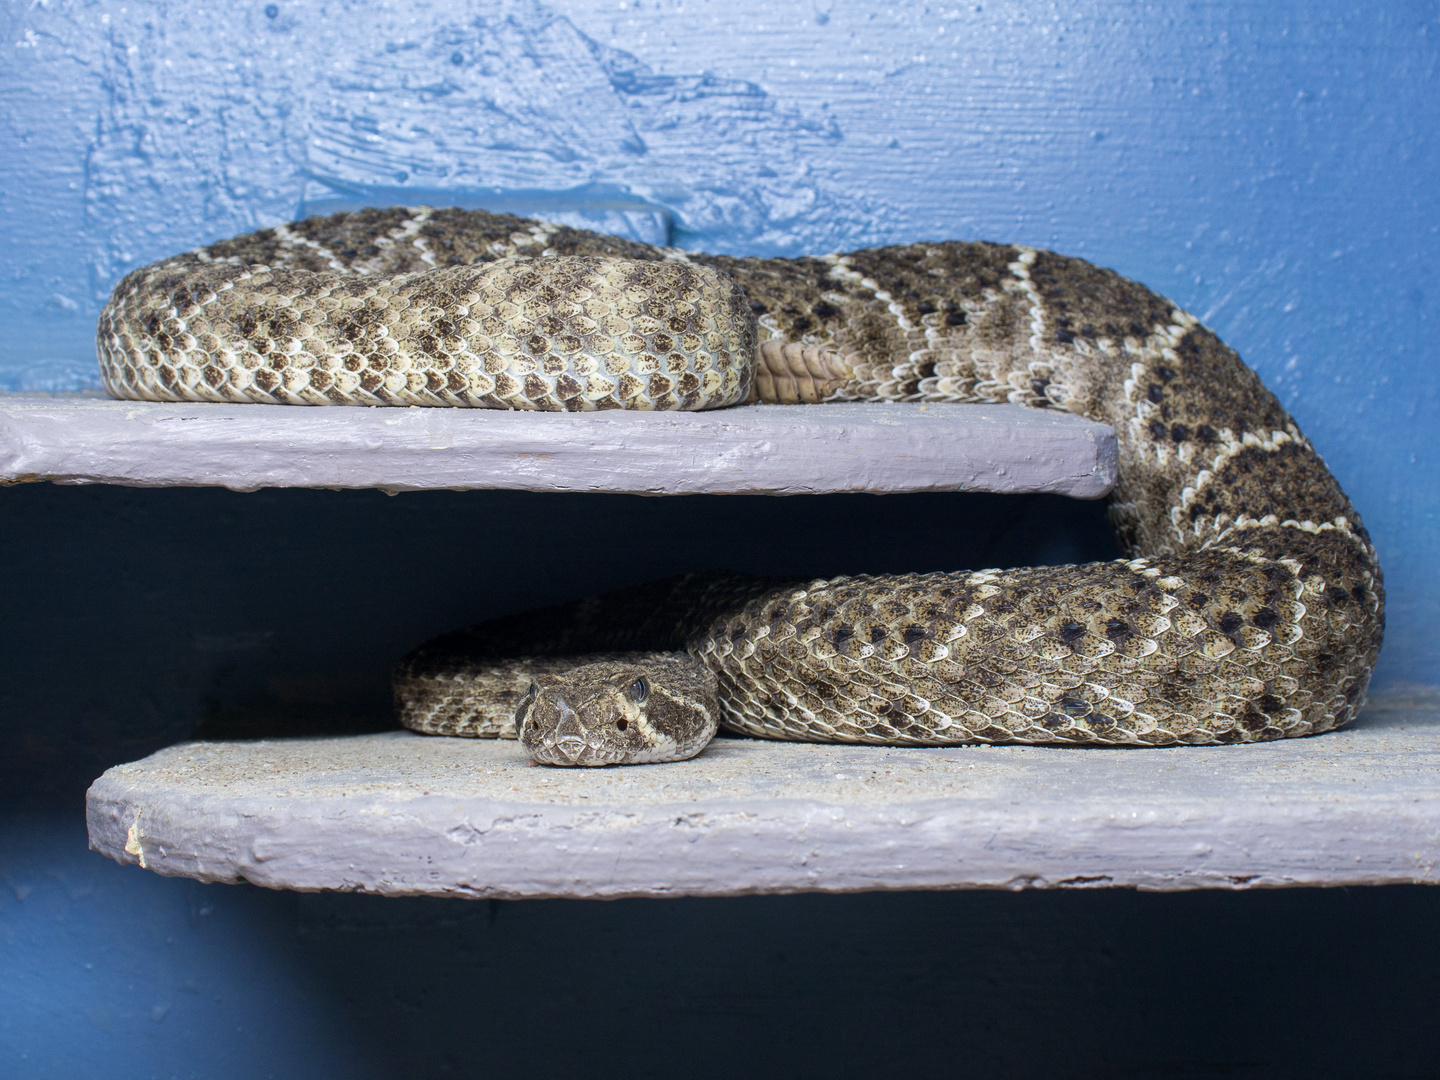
1251,605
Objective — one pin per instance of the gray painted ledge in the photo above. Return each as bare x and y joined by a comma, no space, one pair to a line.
762,449
400,814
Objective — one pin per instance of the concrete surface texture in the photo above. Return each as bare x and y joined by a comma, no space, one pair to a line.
402,814
770,449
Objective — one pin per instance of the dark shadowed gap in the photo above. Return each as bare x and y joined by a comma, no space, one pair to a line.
1304,983
136,618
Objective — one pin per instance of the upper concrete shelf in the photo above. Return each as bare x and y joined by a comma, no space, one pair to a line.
758,449
401,814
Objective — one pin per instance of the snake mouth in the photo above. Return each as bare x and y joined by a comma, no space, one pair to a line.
572,747
572,750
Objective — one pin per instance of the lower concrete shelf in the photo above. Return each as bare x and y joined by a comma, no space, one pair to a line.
402,815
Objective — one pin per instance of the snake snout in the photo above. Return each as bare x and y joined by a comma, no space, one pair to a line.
558,732
569,735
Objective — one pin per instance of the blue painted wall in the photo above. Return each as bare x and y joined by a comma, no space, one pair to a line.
1272,166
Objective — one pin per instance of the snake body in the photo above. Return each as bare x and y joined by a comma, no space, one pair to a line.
1250,606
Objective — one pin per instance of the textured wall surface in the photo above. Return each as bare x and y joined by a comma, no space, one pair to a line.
1270,166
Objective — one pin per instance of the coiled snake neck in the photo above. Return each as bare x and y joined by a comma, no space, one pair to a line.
1250,606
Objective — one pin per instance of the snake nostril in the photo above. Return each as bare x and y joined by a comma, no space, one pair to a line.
622,723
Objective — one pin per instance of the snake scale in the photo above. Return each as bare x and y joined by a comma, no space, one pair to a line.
1250,606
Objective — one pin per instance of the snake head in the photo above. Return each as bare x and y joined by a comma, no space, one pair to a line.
619,713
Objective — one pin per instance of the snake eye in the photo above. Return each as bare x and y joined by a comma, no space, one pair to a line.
534,689
640,689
